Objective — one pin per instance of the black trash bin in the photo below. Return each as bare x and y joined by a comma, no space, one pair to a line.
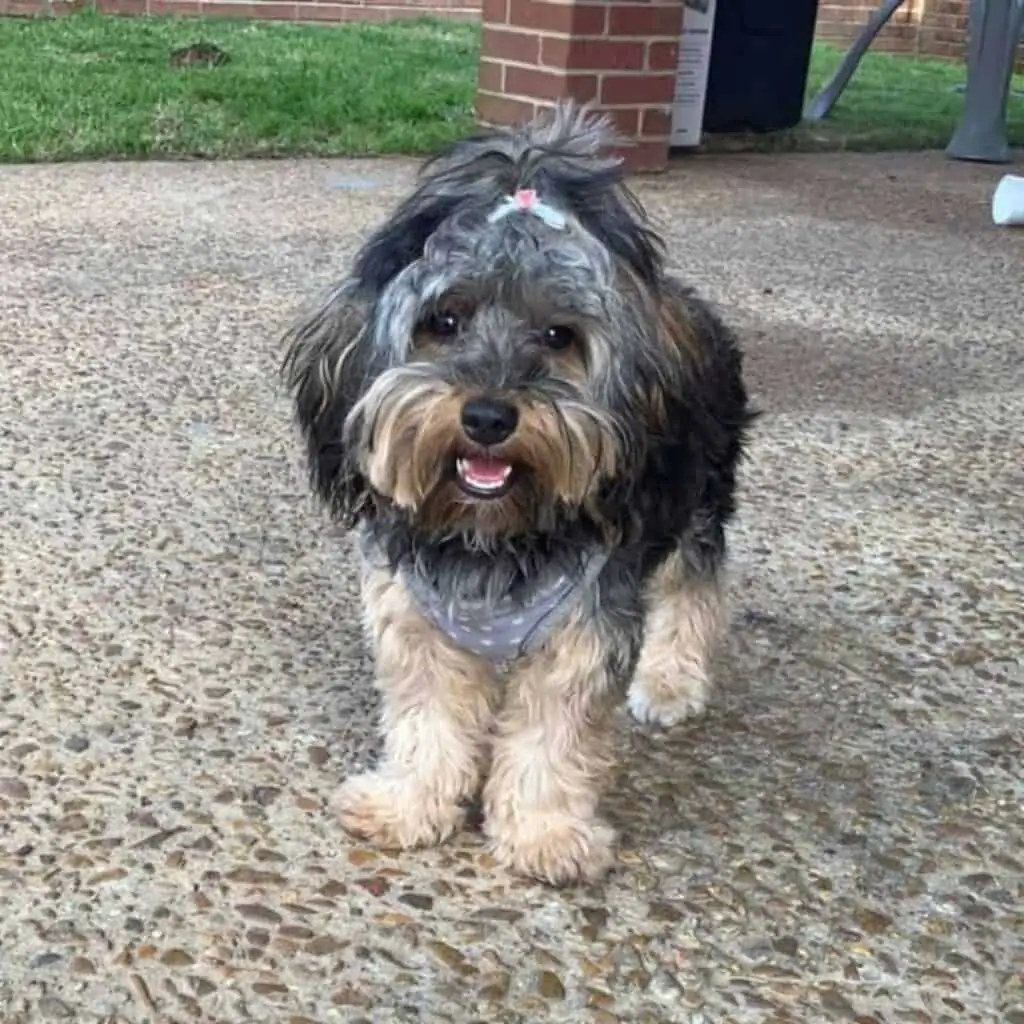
760,55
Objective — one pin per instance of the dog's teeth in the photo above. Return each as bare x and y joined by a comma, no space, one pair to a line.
484,474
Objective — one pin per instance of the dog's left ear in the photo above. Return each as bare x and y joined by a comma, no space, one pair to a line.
328,364
331,355
696,413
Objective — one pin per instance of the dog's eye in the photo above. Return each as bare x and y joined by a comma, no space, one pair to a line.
443,324
558,337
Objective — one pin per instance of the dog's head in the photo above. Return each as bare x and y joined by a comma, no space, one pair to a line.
504,349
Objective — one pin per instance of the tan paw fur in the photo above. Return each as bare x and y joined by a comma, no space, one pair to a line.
668,701
395,812
555,848
685,619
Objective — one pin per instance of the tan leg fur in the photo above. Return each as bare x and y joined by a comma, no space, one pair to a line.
437,710
552,752
685,619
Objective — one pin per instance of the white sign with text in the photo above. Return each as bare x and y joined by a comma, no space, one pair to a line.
692,72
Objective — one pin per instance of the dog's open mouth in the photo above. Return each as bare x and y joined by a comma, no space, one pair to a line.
483,477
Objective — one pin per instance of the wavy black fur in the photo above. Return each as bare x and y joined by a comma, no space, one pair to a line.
676,485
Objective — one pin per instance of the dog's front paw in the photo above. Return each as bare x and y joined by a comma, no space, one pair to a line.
395,811
667,702
559,849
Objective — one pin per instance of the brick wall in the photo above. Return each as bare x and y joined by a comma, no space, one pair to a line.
622,55
271,10
936,28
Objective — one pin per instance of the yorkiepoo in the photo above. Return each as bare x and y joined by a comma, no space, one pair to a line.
532,430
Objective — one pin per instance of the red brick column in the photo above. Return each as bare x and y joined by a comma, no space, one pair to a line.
622,55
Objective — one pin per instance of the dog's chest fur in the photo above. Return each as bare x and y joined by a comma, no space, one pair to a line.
499,605
515,623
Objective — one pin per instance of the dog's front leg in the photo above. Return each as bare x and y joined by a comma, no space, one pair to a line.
437,709
553,751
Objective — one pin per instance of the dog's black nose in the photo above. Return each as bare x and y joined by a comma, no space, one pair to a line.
488,420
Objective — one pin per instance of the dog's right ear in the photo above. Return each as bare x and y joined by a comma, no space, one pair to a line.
328,364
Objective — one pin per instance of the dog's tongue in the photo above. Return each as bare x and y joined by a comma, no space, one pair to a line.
481,472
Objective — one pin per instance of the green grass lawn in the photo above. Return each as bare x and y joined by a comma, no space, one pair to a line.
891,102
97,86
89,86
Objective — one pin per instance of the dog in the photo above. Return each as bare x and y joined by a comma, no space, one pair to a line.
531,431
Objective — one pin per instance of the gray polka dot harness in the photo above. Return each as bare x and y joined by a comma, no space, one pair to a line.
510,627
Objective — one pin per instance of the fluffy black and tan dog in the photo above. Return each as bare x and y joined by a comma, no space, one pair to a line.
533,432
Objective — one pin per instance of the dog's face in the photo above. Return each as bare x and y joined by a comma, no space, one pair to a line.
502,401
499,358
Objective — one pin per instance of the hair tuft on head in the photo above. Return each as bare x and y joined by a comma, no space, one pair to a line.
566,154
574,129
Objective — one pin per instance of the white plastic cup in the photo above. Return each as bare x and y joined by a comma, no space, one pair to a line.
1008,201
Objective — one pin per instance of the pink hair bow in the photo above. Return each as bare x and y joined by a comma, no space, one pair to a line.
525,200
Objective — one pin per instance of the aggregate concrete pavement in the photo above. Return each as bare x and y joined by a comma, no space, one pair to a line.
182,681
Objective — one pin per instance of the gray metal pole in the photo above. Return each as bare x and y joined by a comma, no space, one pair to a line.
996,27
819,107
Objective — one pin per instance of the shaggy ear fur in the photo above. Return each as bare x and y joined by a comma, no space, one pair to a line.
698,422
327,366
332,356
